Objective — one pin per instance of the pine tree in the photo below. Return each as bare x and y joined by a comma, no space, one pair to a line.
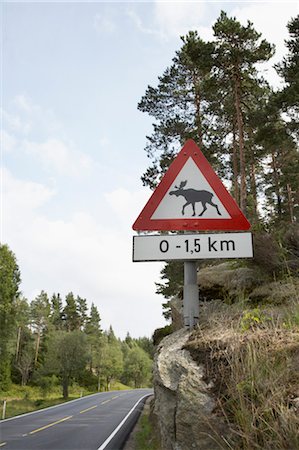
70,313
178,104
94,335
56,312
82,310
288,69
237,49
40,317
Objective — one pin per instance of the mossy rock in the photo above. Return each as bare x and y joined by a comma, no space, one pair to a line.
276,293
227,279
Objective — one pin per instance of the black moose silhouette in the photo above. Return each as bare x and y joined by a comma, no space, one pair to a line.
193,196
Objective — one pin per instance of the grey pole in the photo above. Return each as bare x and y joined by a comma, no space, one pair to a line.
190,300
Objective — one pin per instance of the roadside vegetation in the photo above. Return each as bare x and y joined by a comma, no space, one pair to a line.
248,337
53,348
23,399
252,356
145,434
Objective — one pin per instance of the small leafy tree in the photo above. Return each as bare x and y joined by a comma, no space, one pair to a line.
137,367
66,357
111,360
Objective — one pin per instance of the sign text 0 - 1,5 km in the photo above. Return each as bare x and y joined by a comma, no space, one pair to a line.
192,246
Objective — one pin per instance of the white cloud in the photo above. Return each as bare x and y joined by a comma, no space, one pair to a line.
28,117
83,254
24,195
8,142
126,205
141,27
55,155
171,19
24,103
15,123
270,19
177,18
103,24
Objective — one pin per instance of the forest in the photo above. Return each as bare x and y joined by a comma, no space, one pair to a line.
246,339
52,341
216,93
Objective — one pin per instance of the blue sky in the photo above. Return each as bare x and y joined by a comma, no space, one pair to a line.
72,139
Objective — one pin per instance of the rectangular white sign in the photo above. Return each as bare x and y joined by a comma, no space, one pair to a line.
192,246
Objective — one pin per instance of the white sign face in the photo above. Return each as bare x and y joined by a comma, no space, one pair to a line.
192,246
172,205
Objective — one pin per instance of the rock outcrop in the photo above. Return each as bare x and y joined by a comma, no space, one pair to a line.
184,405
226,280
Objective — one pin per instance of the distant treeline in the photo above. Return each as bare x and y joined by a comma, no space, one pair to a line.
51,340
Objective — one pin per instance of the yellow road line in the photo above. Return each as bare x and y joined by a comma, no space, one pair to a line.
2,444
88,409
50,425
106,401
115,397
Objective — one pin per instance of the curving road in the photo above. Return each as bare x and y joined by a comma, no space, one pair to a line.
97,422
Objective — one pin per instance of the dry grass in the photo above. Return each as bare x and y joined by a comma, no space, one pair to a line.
252,357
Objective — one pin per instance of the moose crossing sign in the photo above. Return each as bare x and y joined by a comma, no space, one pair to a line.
191,197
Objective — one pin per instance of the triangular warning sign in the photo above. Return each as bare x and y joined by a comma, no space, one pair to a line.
189,197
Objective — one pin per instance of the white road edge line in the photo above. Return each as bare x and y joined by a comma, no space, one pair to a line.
54,406
104,445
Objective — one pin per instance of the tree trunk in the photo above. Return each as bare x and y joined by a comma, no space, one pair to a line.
290,202
197,109
18,343
25,375
65,387
253,191
37,347
239,117
276,184
235,167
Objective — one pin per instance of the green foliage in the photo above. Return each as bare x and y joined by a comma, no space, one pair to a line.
111,359
40,312
71,316
251,319
177,104
146,435
214,93
161,333
48,342
9,292
258,403
137,367
66,356
288,97
56,317
173,274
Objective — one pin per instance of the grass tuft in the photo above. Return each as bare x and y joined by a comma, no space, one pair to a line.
252,355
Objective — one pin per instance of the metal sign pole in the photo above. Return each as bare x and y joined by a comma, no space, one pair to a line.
190,296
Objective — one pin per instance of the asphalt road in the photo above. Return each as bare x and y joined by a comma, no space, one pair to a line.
97,422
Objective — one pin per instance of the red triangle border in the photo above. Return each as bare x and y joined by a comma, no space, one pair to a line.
237,221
